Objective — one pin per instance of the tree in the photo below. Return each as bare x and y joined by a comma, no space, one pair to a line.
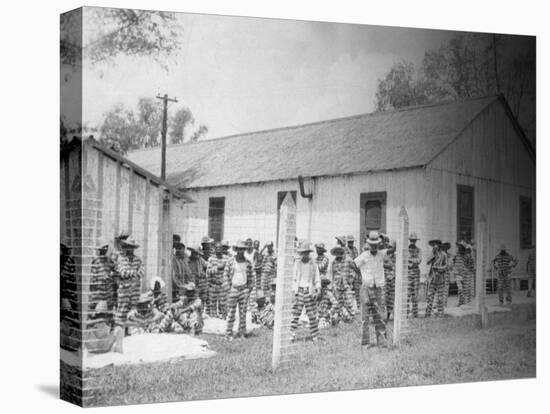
111,32
181,119
119,129
466,66
149,122
200,132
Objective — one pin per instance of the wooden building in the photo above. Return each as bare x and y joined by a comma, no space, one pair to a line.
449,164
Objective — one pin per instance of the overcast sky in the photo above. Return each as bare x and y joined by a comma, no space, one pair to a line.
245,74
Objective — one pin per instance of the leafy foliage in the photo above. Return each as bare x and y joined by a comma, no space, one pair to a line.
181,119
468,65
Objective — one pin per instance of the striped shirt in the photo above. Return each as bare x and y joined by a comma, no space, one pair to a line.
342,273
269,266
215,269
460,264
102,286
389,266
504,262
129,273
160,301
415,257
180,275
353,252
322,262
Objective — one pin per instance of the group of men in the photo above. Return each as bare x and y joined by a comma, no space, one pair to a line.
218,278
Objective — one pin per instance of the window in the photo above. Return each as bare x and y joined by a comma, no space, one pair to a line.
525,222
280,198
216,209
465,212
372,214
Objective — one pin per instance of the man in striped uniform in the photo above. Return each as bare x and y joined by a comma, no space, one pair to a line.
102,286
460,269
180,270
264,314
341,271
415,258
269,268
129,270
351,250
226,247
327,306
214,271
389,279
371,265
306,285
503,264
239,275
445,247
197,271
68,286
160,300
436,278
531,268
187,312
144,318
321,259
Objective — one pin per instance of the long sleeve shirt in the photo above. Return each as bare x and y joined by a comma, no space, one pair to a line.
415,257
269,266
371,267
215,269
306,275
504,262
342,273
239,273
322,263
102,286
180,275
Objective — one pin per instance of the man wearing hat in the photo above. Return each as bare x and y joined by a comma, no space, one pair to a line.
371,265
253,256
239,274
197,272
306,284
415,258
341,241
269,268
503,264
327,305
350,247
321,259
226,248
206,245
68,286
129,271
160,300
436,278
389,278
102,286
342,271
460,269
180,269
187,312
214,272
264,313
445,247
144,318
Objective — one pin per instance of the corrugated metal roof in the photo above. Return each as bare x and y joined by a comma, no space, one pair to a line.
405,138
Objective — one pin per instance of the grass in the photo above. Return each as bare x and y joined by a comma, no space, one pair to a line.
435,351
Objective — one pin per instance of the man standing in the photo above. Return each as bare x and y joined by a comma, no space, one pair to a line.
102,287
306,285
460,270
327,306
351,250
436,278
445,249
180,270
371,265
226,248
206,245
415,258
531,269
503,264
269,268
321,259
198,272
341,271
239,275
389,279
129,270
214,271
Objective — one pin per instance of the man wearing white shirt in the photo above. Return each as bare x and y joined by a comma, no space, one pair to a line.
306,285
371,266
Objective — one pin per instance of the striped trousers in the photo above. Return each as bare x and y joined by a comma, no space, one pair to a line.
125,294
237,296
389,293
461,287
504,286
446,284
216,303
435,291
412,296
304,298
372,307
346,302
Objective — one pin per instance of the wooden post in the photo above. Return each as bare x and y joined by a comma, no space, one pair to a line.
401,276
283,294
479,300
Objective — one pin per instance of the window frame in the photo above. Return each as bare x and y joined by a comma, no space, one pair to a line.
210,209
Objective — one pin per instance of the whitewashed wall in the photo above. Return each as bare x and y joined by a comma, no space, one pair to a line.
490,157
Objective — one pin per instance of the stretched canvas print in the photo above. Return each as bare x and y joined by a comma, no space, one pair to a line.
263,206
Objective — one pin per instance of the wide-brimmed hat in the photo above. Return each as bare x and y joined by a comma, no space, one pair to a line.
435,242
462,243
341,239
269,244
102,244
240,244
196,249
325,281
129,243
445,246
178,243
155,280
374,237
207,240
502,247
413,236
304,247
249,240
320,246
145,297
123,235
350,237
337,250
225,243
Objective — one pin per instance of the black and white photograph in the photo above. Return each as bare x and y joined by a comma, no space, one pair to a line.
262,206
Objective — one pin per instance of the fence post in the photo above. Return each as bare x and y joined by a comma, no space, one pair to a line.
401,276
479,301
283,294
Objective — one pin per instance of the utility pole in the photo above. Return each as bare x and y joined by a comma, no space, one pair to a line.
165,100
